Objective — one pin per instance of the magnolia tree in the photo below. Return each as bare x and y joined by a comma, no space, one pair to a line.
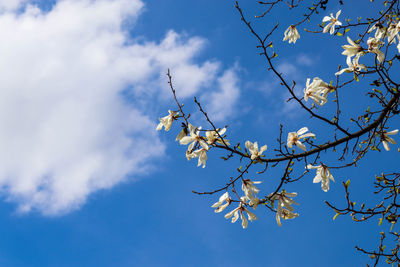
371,50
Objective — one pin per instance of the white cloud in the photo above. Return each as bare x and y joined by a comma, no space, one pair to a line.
66,131
220,104
7,5
288,70
306,60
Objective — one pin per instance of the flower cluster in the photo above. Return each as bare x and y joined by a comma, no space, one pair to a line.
284,209
239,210
386,139
317,91
250,199
199,142
291,34
199,145
375,43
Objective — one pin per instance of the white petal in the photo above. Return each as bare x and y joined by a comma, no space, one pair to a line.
390,140
263,148
235,216
302,131
229,214
325,186
293,194
307,135
351,41
332,31
381,56
203,144
278,219
317,179
244,220
340,72
185,140
326,18
326,28
221,208
386,145
159,126
216,204
310,166
249,145
301,145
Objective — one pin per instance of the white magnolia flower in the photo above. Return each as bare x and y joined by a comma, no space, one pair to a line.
285,209
380,30
386,139
193,138
333,21
219,205
323,176
199,153
213,137
284,214
317,91
240,209
166,121
249,189
393,32
373,47
291,34
253,148
352,48
353,66
294,138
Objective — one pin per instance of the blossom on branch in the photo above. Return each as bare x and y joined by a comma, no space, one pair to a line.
253,148
193,138
250,190
333,21
352,48
323,176
294,138
317,91
284,209
380,30
166,121
214,136
353,66
291,34
393,32
373,47
219,205
240,209
386,139
199,153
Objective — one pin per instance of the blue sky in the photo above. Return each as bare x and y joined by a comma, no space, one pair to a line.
87,181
